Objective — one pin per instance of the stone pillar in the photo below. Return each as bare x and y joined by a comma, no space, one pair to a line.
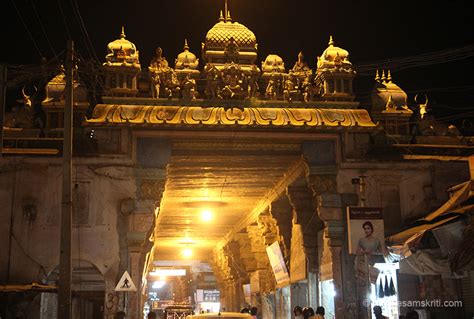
263,277
150,174
320,157
134,81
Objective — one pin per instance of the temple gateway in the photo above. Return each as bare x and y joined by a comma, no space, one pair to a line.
222,182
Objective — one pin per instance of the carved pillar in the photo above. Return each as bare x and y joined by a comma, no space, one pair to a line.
150,175
261,280
321,172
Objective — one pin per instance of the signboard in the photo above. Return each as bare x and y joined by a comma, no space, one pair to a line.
125,283
365,230
278,264
211,295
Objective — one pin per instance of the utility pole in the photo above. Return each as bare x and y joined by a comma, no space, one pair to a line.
3,87
65,259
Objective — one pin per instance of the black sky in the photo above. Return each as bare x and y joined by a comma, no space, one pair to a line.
372,31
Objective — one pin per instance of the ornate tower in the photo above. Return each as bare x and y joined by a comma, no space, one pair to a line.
389,105
230,42
335,74
186,63
121,67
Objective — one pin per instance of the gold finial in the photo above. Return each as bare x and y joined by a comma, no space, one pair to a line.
384,79
186,46
122,34
377,76
228,16
225,10
331,41
221,18
389,77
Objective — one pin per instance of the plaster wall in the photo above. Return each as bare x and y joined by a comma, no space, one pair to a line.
35,236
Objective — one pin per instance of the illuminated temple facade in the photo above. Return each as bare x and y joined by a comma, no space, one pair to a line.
279,152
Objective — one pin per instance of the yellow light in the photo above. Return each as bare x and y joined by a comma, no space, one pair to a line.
187,253
206,215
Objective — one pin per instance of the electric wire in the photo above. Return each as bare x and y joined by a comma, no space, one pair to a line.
64,20
27,30
43,29
86,38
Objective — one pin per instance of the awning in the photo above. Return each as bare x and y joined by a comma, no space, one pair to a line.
30,287
450,210
461,194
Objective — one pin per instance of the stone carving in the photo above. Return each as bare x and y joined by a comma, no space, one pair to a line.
252,83
184,115
213,77
268,227
272,88
163,76
428,125
322,184
291,89
232,77
189,88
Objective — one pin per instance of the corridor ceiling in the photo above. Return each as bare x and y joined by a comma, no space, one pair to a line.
234,179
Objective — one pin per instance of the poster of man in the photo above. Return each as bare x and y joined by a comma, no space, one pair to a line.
365,231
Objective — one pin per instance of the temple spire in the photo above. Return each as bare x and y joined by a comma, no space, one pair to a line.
221,17
186,46
389,77
228,16
225,10
377,76
122,34
331,41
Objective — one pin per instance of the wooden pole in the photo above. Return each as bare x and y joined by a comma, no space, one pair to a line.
3,87
65,259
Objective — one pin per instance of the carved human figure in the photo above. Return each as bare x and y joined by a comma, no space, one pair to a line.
189,88
213,77
156,81
271,89
159,63
291,88
232,88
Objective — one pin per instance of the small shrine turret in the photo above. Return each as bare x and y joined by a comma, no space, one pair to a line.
121,67
335,74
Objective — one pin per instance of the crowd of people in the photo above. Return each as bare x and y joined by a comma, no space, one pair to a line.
308,313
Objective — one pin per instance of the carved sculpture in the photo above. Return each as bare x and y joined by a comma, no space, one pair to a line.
291,89
213,77
189,88
158,66
272,88
233,81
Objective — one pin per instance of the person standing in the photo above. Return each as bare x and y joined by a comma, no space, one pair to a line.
298,312
378,313
320,313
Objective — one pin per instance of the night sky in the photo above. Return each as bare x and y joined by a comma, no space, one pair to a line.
376,33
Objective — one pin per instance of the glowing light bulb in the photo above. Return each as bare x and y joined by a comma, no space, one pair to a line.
206,215
187,252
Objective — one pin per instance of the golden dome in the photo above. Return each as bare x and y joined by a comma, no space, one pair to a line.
186,59
122,51
333,55
220,34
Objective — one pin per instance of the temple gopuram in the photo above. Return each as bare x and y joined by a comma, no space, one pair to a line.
276,158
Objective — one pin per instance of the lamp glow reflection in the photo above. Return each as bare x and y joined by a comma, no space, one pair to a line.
158,284
187,252
206,215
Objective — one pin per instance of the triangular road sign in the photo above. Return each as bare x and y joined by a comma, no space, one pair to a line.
125,283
